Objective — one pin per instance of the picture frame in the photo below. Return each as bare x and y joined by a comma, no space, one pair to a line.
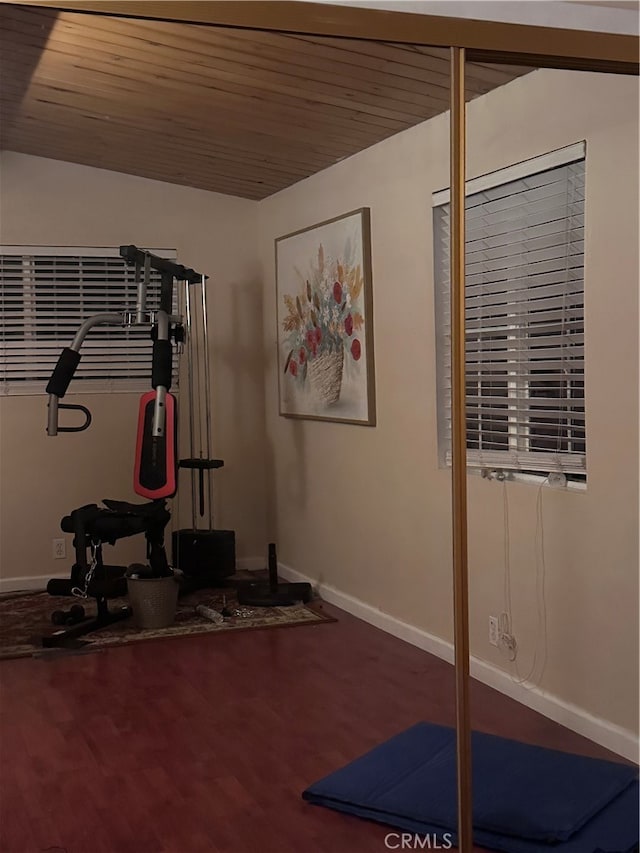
324,311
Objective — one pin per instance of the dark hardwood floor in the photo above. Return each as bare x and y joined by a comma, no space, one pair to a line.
204,744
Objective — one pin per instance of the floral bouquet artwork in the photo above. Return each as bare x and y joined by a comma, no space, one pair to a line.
324,321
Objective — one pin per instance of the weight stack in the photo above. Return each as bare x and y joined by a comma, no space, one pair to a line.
207,555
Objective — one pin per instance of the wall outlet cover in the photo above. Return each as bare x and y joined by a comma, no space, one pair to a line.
493,630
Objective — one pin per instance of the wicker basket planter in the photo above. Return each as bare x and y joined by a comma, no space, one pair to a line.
325,376
153,601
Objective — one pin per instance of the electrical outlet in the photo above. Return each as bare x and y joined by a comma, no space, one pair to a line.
59,549
493,630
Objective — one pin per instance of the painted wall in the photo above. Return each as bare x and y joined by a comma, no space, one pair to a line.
46,202
599,16
367,510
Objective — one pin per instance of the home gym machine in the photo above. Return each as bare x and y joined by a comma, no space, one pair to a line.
156,457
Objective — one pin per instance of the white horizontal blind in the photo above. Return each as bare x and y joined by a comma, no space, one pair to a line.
524,298
46,294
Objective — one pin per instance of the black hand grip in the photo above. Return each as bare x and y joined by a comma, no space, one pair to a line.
161,364
77,408
63,372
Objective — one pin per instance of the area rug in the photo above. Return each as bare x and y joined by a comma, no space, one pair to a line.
25,618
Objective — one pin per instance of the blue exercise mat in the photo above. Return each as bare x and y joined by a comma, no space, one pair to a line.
525,797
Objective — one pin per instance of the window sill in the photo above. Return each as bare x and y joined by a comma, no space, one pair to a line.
549,481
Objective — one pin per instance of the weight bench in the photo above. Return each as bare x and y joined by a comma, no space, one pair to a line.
94,526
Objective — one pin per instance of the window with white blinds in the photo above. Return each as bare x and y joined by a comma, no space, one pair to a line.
524,299
46,294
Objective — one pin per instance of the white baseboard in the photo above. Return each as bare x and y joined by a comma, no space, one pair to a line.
29,584
618,740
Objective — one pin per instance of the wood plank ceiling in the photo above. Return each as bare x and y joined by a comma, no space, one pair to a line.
233,111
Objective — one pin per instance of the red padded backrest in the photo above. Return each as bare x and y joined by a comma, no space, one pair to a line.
155,470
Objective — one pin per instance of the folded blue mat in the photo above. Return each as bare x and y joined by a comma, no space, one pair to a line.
525,797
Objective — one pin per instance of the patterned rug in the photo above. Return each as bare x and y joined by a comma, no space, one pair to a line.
25,618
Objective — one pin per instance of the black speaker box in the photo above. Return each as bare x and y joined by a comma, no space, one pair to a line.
204,554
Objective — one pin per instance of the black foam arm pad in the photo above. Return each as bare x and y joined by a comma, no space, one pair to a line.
161,366
60,586
63,372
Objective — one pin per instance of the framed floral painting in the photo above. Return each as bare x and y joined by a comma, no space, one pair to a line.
325,321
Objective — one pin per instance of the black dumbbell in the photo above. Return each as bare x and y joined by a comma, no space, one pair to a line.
76,614
68,617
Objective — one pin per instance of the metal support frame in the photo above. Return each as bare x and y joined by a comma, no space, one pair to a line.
459,449
485,41
199,379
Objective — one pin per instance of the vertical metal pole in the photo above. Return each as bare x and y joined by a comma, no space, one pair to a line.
459,452
143,283
190,368
207,398
174,523
197,373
